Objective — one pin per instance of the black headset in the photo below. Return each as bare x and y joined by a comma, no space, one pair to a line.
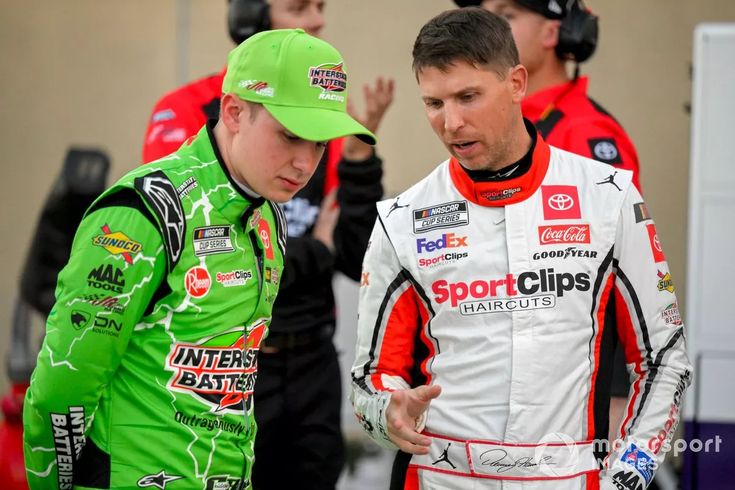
578,33
247,17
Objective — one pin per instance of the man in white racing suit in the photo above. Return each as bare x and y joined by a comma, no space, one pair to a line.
482,349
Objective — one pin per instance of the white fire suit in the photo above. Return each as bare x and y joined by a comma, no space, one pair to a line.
496,291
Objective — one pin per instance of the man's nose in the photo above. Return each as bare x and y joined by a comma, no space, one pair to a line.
307,158
453,119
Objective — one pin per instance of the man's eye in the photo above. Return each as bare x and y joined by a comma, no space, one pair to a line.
433,104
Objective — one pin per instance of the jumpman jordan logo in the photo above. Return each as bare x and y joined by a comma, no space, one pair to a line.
395,206
445,457
610,180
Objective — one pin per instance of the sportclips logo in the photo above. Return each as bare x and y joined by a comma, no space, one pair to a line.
220,371
528,291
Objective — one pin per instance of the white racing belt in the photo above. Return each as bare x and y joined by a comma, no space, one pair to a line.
547,460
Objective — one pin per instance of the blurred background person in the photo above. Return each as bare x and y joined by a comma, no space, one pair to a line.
298,392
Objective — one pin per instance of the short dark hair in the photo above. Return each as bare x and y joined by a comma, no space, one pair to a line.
470,34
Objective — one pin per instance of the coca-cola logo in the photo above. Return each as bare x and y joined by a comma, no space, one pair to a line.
564,234
561,202
197,282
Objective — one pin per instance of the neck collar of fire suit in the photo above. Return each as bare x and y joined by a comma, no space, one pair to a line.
510,171
235,207
539,104
510,190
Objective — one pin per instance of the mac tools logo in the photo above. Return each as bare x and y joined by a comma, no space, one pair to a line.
560,202
220,371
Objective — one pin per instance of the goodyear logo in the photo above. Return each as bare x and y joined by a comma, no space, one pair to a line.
117,243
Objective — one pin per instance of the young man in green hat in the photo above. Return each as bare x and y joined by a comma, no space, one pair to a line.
146,374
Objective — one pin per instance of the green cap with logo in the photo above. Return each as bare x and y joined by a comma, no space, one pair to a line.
299,79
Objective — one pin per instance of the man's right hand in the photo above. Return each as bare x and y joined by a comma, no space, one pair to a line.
403,416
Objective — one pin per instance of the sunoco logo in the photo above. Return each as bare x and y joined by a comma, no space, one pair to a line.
511,293
117,243
220,371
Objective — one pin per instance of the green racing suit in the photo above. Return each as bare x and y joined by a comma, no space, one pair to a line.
146,373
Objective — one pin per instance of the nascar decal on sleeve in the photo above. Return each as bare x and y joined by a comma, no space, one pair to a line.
211,240
117,243
220,371
445,215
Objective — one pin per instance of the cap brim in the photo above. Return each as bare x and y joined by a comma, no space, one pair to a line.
315,124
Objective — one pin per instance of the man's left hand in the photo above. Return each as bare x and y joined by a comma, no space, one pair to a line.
377,100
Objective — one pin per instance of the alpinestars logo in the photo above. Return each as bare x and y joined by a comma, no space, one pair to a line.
220,371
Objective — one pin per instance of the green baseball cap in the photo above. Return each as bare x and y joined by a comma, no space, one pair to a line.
299,79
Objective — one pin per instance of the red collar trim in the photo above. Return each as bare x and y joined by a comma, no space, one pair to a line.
507,191
535,104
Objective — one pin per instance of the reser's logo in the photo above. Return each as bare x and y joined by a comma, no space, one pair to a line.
447,240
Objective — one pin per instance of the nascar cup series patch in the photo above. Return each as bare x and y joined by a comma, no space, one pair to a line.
212,240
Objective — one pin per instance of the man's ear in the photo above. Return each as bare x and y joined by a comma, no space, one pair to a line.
518,77
550,33
231,112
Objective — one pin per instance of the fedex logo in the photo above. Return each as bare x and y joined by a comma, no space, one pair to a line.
447,240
